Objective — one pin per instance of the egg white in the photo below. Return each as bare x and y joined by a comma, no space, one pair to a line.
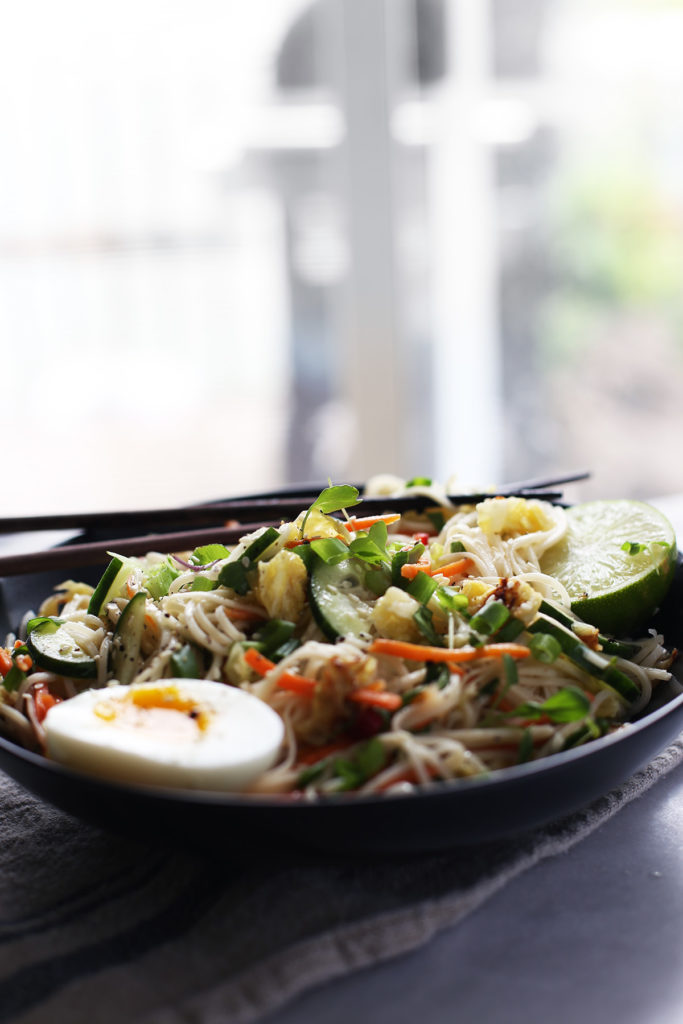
186,733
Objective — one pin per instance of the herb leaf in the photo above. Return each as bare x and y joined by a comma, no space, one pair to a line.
423,620
632,547
567,705
368,760
333,499
209,553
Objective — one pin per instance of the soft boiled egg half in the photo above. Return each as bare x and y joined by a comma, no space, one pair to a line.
187,733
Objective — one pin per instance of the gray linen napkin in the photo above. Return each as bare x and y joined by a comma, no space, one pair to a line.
96,929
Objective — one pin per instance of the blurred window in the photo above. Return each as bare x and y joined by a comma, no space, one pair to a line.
240,248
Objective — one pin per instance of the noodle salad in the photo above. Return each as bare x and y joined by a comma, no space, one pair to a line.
396,651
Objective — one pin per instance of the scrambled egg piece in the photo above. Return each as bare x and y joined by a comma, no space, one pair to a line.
476,592
392,615
512,517
282,585
317,525
520,597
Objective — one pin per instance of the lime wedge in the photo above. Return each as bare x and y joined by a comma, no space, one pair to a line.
616,562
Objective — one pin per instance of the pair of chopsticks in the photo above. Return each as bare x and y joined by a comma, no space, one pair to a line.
250,511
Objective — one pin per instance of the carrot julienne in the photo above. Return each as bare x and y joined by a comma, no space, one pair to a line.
303,685
291,681
376,698
365,523
244,614
411,569
423,652
258,661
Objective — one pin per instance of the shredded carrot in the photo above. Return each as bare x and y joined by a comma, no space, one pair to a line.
302,685
18,644
411,569
130,589
5,661
258,661
152,625
453,568
376,698
423,652
245,614
368,521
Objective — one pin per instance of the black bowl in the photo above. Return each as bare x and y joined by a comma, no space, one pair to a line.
438,817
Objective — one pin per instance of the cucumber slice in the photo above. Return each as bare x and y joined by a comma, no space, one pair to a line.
53,648
185,663
590,661
110,584
128,638
621,648
234,573
338,597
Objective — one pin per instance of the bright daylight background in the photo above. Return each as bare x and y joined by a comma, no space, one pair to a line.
248,244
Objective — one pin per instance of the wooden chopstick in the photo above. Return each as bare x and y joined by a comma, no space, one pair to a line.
249,509
252,513
74,556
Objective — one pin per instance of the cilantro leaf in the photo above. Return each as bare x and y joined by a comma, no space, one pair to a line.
332,499
567,705
632,547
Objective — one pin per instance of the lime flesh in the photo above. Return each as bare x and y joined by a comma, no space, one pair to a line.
616,590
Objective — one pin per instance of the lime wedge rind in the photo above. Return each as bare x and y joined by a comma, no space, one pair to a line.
614,590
